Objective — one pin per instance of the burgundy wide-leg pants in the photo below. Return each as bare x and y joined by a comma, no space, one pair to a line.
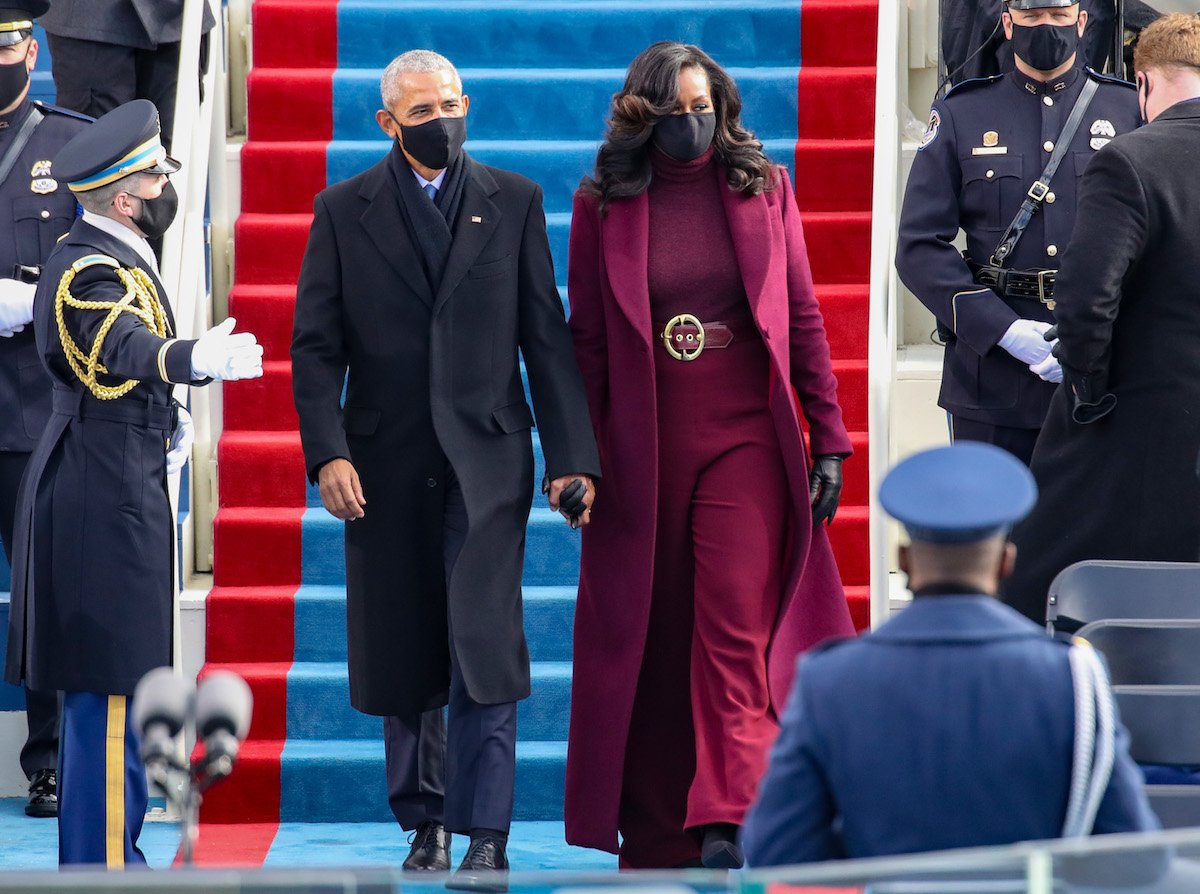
702,722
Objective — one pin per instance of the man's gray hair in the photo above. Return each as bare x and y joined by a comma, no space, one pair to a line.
412,61
100,199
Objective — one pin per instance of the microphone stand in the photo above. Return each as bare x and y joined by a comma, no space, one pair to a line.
183,784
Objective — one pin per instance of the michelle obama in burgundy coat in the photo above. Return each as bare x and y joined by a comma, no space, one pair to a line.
703,574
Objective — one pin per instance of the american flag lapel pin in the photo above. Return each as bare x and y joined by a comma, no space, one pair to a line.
475,218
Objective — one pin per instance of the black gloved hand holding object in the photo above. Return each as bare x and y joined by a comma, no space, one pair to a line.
825,487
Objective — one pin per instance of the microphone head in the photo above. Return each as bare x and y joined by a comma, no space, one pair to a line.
223,702
162,697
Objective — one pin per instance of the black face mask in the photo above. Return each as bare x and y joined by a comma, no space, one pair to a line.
156,215
13,78
435,143
1045,47
685,137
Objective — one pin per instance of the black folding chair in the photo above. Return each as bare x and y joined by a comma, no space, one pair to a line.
1147,652
1098,589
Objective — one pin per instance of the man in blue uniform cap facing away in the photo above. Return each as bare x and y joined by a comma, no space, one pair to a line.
1000,160
953,724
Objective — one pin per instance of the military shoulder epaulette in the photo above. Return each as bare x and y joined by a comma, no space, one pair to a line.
965,86
92,260
59,110
1109,79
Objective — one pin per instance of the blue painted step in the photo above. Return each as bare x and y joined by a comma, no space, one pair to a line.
321,623
563,104
549,33
551,550
318,704
558,165
343,781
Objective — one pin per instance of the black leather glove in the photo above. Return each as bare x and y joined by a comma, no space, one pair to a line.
825,487
570,500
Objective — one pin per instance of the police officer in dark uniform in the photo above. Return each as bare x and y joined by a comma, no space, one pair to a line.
997,148
38,209
92,576
957,723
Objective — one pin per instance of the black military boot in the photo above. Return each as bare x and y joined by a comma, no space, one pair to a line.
430,850
485,867
43,795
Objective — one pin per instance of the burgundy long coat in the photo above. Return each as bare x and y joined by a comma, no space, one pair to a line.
612,330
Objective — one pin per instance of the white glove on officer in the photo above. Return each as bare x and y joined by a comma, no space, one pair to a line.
221,355
1049,370
16,306
1024,341
182,438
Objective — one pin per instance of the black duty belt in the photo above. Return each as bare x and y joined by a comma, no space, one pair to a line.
145,413
1031,285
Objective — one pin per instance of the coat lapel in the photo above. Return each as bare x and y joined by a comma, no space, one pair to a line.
387,230
750,227
477,220
625,241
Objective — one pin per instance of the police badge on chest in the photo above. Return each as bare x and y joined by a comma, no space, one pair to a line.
42,182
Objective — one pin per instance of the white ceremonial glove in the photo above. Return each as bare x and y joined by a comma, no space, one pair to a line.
180,447
1049,370
1024,341
221,355
16,305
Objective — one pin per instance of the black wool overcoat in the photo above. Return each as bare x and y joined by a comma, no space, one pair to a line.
433,378
1116,462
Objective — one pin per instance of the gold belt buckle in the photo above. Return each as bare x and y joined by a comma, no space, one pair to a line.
680,346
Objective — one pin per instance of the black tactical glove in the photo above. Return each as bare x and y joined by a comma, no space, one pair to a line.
825,487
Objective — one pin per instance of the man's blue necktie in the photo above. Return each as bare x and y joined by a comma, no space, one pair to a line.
431,191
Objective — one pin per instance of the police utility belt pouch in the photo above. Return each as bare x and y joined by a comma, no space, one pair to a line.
1033,285
130,410
1041,187
686,338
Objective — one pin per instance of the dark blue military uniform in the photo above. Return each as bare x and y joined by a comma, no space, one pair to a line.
92,574
951,725
987,142
38,209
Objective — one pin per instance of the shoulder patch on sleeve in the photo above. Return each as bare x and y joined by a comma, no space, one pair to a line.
1110,79
92,260
59,110
931,129
971,84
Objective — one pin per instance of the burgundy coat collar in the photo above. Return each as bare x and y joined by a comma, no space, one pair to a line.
625,241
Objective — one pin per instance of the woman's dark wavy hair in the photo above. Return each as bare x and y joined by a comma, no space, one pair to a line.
651,92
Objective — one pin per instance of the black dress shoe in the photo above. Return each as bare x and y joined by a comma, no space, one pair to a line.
43,795
430,850
484,868
719,849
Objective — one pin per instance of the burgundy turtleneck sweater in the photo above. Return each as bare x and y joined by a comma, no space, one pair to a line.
692,265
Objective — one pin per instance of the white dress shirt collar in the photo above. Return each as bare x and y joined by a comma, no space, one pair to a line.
436,181
126,235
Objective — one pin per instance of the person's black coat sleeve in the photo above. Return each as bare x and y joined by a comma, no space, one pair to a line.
318,347
559,401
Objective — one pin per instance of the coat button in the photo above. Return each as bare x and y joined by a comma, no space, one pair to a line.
45,214
991,174
1048,146
1050,197
1047,100
1052,250
432,482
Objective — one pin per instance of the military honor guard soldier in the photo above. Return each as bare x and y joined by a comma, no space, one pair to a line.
92,579
1001,160
38,208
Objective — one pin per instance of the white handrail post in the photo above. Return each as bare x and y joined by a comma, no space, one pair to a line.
881,372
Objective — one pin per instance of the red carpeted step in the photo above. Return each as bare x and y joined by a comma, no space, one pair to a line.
263,404
846,310
834,175
839,247
850,536
290,33
257,547
261,468
835,103
250,624
856,474
275,112
234,845
859,601
266,311
838,32
281,177
852,392
252,794
268,684
270,248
